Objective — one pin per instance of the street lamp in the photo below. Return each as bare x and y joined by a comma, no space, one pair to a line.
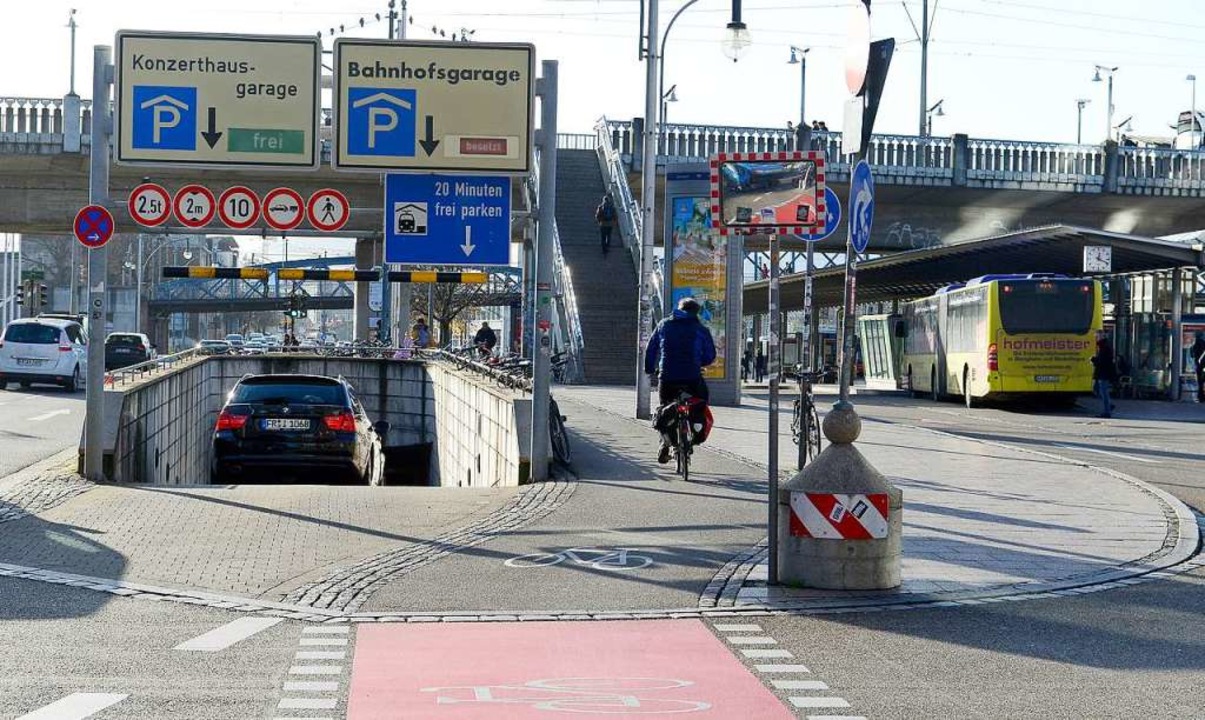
1124,126
661,65
736,35
937,110
668,96
802,61
1096,78
1079,120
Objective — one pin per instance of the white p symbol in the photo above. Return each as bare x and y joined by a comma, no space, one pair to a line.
380,119
166,117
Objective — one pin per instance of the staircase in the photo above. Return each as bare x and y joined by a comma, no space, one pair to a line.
605,286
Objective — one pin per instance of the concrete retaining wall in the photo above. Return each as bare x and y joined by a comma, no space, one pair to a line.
161,428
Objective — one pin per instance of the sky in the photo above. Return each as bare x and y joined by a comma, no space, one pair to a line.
1004,69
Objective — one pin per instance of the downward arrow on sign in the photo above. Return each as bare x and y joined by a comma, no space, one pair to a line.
468,246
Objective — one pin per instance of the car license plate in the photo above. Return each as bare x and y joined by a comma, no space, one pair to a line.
29,361
1048,378
289,424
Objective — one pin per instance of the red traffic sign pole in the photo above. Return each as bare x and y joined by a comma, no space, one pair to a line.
93,226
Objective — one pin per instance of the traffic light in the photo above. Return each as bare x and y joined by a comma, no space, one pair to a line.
21,294
43,301
295,309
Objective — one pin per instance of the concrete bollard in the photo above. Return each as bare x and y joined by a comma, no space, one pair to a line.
839,520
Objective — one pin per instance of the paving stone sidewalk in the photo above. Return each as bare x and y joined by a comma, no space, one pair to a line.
980,519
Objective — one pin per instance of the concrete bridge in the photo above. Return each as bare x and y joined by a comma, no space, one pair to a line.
934,190
931,189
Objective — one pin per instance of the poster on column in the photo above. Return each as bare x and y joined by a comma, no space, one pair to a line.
700,270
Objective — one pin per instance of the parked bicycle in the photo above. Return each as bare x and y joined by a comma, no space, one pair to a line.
556,433
805,424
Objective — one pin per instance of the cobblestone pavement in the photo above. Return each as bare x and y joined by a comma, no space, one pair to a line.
41,487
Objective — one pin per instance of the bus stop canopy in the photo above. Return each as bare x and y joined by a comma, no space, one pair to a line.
916,273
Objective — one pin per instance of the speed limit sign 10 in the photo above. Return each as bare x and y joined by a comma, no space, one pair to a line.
239,207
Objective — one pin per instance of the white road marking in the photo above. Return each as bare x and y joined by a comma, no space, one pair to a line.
316,670
747,640
326,630
307,704
311,686
738,628
228,634
48,415
818,702
329,642
799,684
75,706
765,653
320,655
782,668
1113,454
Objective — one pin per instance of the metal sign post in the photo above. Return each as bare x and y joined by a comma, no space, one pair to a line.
545,237
98,194
775,372
648,192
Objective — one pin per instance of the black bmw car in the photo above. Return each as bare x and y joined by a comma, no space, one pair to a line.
277,428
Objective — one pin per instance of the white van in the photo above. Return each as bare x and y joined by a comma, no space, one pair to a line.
45,351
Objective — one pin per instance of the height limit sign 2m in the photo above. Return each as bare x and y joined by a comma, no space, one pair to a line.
433,106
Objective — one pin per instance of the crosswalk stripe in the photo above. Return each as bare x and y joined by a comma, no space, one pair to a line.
330,642
326,630
818,702
754,640
320,655
228,634
782,668
311,686
757,653
75,706
307,704
738,628
316,670
799,684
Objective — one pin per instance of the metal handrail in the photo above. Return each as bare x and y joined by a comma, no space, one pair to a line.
567,317
134,373
630,220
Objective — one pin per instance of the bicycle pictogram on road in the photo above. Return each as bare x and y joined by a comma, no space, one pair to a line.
619,559
598,696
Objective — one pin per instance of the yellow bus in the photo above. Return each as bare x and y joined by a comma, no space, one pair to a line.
1002,335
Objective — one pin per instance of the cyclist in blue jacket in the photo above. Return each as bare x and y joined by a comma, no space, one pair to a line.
678,351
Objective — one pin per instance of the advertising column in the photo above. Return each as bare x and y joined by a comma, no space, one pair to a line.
698,265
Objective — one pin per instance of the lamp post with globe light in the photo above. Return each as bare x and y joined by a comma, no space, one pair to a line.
1109,110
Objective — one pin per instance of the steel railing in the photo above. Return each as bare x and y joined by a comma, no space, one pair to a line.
615,178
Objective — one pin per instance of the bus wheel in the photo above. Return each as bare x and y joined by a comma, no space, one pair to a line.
967,398
933,394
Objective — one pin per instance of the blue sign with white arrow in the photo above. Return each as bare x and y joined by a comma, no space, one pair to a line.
861,204
832,217
447,219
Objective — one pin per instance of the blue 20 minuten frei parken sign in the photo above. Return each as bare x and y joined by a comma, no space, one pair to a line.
447,219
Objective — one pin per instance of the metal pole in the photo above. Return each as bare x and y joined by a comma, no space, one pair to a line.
803,91
98,194
401,30
805,352
847,316
385,327
924,64
392,19
661,70
71,24
774,374
1079,123
1192,124
1177,348
648,202
138,292
545,237
1109,134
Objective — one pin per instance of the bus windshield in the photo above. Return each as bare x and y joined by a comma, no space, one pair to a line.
1044,306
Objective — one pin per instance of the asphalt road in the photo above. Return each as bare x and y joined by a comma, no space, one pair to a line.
37,423
1137,652
60,640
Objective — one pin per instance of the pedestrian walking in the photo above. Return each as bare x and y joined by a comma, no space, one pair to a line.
421,334
1104,374
761,365
1198,360
605,215
746,365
